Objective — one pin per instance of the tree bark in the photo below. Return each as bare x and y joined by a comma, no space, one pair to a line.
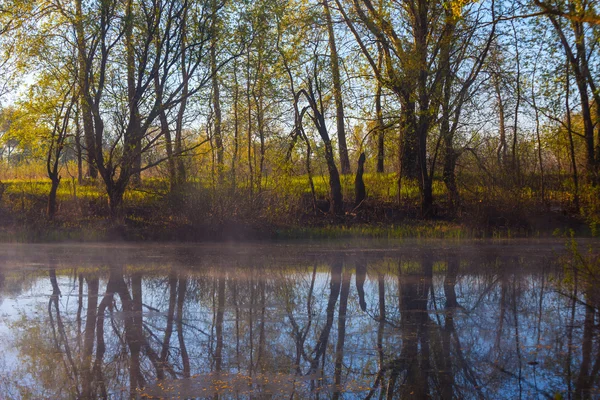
86,107
52,206
359,185
380,131
337,93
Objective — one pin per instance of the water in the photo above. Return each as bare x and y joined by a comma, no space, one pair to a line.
472,320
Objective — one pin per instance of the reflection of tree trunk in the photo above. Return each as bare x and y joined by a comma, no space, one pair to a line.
106,302
517,337
570,337
70,368
361,275
79,308
251,327
136,334
447,375
381,329
185,359
133,327
261,333
89,334
334,291
300,334
164,353
584,382
339,348
219,324
503,291
413,299
234,283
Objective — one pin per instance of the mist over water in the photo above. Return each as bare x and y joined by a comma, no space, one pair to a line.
430,319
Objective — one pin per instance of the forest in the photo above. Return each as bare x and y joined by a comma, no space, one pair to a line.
214,118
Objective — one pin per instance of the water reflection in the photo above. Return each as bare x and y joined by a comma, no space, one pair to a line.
430,325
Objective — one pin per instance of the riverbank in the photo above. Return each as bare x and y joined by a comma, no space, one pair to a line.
199,214
134,229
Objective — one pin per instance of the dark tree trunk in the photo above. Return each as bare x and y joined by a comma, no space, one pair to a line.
115,193
86,108
216,98
78,147
359,185
380,132
450,159
219,324
335,186
361,275
52,206
339,348
409,146
337,200
334,291
337,93
89,334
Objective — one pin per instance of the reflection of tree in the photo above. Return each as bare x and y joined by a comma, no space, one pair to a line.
60,338
185,359
588,369
318,354
424,333
339,348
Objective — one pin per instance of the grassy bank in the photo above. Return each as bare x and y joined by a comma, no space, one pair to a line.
283,209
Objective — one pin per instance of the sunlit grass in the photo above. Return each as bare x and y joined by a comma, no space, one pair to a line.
409,229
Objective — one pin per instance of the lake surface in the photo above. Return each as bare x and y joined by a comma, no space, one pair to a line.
411,319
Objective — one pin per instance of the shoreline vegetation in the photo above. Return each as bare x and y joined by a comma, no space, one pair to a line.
283,211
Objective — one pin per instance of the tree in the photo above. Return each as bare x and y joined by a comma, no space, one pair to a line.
579,49
149,39
337,91
413,68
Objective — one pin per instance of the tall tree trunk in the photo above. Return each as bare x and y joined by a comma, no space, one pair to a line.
380,131
335,186
78,146
409,147
166,133
260,126
86,107
132,136
249,130
236,125
571,142
578,62
55,181
180,161
216,97
501,152
515,155
446,131
537,134
359,185
337,93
